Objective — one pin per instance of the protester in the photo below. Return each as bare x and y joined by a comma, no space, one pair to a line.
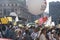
43,34
29,33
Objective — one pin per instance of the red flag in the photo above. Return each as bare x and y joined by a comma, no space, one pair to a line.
42,20
45,19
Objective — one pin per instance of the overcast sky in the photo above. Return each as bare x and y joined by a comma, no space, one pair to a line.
52,0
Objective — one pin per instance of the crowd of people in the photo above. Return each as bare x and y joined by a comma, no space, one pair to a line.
29,33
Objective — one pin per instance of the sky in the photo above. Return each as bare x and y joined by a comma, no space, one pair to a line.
52,0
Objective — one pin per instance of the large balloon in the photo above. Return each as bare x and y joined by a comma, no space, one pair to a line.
36,6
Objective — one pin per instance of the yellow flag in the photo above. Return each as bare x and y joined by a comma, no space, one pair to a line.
4,20
9,18
15,23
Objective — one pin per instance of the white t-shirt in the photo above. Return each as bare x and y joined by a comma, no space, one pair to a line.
53,37
42,37
0,34
34,35
49,35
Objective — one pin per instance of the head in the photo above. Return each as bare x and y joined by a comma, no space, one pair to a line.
3,28
18,32
43,31
37,29
27,31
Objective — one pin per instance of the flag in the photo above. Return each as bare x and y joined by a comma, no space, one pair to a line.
16,19
4,20
48,22
53,24
40,21
45,19
9,19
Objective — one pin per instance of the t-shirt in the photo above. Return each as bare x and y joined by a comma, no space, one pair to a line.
34,35
42,37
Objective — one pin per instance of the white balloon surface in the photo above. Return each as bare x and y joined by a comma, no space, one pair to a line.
36,6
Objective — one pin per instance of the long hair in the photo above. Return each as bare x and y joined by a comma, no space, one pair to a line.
42,31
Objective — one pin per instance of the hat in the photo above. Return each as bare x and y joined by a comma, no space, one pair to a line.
58,26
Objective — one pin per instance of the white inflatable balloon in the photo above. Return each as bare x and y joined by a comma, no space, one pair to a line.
36,6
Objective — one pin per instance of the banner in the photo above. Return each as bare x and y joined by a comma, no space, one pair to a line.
4,39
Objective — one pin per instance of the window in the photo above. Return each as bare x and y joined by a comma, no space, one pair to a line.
3,4
17,4
14,4
6,4
10,4
4,12
0,12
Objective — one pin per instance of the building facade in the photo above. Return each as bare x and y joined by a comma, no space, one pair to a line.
7,6
54,11
18,6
